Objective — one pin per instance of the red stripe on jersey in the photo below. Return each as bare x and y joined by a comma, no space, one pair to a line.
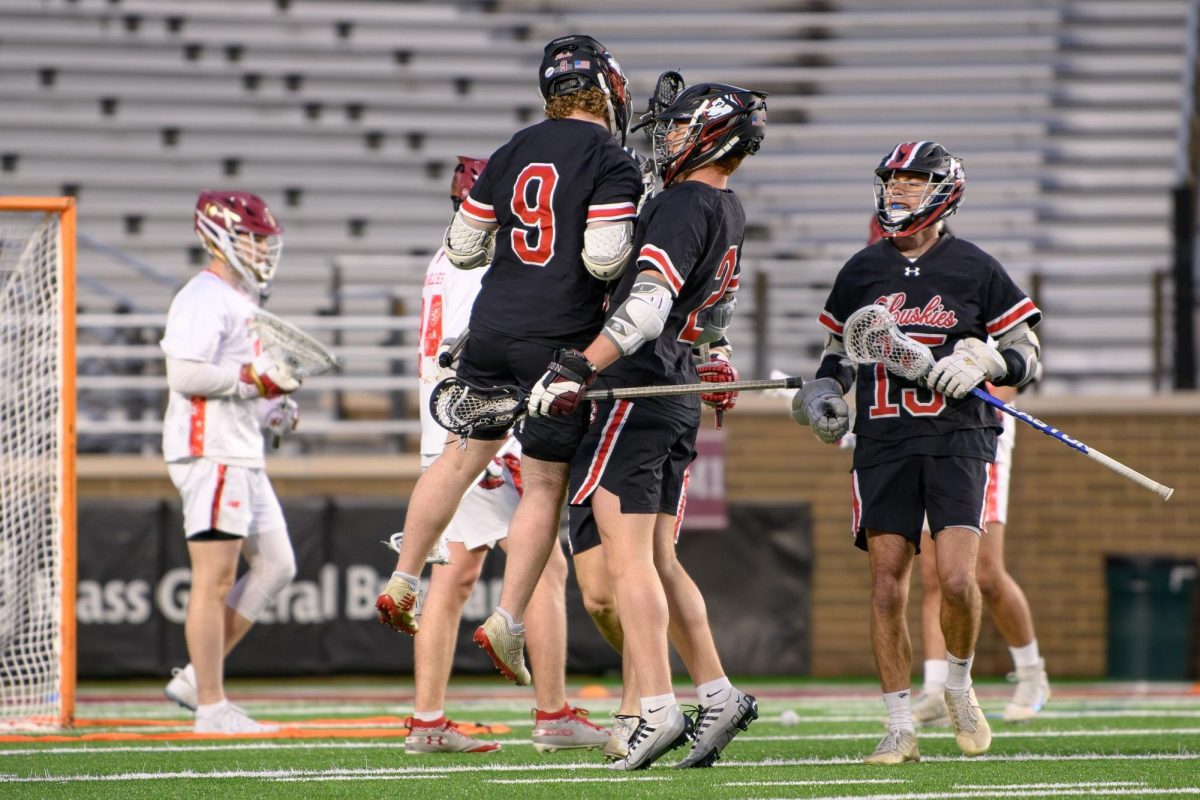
931,339
608,438
196,427
477,211
216,501
832,324
1021,311
662,262
608,212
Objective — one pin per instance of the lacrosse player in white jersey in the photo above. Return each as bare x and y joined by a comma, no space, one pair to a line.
223,391
480,523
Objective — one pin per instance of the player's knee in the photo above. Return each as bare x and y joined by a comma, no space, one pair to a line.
958,588
990,581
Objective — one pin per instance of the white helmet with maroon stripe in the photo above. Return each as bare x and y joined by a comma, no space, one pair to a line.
941,197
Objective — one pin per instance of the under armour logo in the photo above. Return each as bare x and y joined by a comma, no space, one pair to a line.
910,272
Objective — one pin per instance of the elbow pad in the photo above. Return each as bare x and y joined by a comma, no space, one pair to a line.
468,247
642,316
1022,352
606,249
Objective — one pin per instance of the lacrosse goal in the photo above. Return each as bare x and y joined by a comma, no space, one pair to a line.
37,462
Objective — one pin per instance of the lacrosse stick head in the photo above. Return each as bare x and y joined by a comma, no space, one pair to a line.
287,344
463,408
872,336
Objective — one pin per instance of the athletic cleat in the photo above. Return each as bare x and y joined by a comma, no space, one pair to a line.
971,729
442,736
570,730
623,727
716,725
929,710
397,604
506,649
229,719
899,745
649,742
438,554
182,688
1032,692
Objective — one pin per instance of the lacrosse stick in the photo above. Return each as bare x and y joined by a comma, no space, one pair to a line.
461,407
872,336
303,354
446,358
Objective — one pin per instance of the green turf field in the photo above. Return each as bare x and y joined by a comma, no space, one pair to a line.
1093,740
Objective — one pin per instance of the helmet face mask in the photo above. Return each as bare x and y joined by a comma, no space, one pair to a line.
466,173
239,229
573,63
898,209
705,123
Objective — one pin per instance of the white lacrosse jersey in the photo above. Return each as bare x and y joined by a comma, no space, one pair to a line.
446,300
209,321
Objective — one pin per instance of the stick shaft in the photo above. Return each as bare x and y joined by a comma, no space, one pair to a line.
692,388
1129,473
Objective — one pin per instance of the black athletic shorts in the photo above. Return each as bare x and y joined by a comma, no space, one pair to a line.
638,451
493,359
897,495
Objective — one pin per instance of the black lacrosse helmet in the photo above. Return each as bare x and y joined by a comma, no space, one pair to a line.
947,182
721,120
573,63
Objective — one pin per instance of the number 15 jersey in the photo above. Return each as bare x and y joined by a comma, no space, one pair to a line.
953,291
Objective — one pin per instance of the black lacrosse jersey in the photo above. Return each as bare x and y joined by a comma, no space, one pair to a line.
691,234
954,291
543,188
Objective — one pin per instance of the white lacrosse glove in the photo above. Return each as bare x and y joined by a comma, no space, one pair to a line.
820,405
561,389
279,415
266,377
972,362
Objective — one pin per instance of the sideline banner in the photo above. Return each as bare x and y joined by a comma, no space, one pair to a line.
134,581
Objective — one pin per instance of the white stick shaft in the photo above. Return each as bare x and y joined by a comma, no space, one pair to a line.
1164,492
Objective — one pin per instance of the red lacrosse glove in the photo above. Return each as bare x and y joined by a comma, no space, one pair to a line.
718,370
561,389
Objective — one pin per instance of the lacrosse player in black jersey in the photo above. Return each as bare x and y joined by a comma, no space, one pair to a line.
553,214
630,467
923,447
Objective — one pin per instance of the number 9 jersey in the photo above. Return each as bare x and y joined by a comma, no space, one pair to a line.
543,188
953,291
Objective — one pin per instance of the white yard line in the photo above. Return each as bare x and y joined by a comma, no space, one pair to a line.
1072,792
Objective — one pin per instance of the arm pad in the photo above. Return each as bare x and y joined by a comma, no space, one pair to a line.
834,363
717,319
606,248
1022,354
468,247
643,314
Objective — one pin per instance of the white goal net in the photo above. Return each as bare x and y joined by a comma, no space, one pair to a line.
37,456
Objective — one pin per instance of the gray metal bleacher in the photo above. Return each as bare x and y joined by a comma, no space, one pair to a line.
346,117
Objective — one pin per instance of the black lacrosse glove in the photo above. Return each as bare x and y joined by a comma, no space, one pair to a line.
560,390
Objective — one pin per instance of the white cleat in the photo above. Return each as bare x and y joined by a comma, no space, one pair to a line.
971,729
898,746
623,727
571,731
649,742
507,649
1031,694
929,710
716,725
229,719
182,688
438,554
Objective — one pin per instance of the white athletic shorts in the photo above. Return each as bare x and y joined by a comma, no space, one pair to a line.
483,515
236,500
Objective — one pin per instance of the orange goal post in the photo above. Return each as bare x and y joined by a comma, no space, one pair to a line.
37,462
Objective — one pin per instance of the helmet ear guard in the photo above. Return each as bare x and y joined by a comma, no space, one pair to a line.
940,199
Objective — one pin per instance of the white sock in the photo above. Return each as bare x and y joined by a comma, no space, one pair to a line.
936,670
209,710
958,678
413,582
1027,656
712,692
899,709
428,716
513,625
656,708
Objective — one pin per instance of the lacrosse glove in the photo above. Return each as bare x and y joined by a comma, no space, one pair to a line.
560,390
819,404
279,416
266,377
972,362
718,370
